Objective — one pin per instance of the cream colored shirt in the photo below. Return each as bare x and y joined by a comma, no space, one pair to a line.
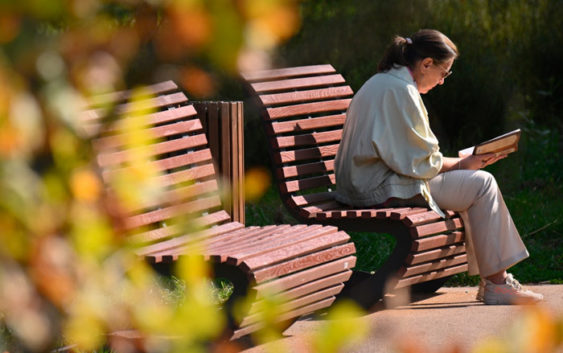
387,148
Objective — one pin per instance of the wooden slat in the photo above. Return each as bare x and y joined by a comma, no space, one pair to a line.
176,128
303,125
404,214
409,281
306,169
295,304
177,195
201,222
422,218
163,248
187,176
433,266
296,83
183,160
115,158
144,105
301,248
92,127
417,258
281,241
308,108
309,183
437,241
201,157
294,280
167,213
317,284
264,75
305,200
257,306
309,139
306,95
435,228
221,250
303,262
307,154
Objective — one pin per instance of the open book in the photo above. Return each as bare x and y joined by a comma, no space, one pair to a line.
502,144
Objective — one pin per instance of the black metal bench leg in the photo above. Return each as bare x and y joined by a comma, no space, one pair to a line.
367,289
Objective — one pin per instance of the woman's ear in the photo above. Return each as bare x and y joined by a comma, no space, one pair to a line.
426,63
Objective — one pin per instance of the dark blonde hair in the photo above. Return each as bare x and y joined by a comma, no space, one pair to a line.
426,43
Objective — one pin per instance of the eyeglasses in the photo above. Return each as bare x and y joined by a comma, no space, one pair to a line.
445,73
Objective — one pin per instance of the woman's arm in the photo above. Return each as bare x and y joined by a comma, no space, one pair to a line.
470,162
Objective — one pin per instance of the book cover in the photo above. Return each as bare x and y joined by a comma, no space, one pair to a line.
503,144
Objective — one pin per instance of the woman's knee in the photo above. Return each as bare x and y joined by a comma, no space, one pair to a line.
486,179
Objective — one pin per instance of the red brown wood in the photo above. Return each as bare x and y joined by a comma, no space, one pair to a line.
306,169
434,265
437,241
304,247
292,305
308,82
304,200
305,96
188,216
307,154
431,276
304,142
308,139
309,183
420,257
303,125
303,262
437,227
295,280
287,72
309,109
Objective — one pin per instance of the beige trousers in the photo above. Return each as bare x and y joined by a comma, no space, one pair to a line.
492,240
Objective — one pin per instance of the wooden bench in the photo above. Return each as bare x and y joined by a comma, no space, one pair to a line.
303,110
304,266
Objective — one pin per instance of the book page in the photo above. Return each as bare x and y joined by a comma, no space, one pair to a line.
497,146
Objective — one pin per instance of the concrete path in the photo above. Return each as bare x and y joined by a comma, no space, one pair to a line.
449,321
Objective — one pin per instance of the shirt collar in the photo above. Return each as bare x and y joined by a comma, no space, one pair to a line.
402,73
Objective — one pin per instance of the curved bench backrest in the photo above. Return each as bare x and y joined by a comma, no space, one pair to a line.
304,109
176,158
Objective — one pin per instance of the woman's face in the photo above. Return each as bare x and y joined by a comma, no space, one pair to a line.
428,73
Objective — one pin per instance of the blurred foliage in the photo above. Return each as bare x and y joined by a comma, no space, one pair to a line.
68,276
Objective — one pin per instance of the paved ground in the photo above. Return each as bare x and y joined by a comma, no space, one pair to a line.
449,320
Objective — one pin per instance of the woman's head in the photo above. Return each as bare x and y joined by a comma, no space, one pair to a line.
425,52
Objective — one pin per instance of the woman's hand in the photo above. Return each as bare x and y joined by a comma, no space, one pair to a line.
480,161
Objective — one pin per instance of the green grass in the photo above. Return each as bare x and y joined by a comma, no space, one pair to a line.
531,181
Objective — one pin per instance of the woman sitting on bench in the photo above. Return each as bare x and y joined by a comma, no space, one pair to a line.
389,157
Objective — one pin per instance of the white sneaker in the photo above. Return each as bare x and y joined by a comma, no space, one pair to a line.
509,293
481,291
